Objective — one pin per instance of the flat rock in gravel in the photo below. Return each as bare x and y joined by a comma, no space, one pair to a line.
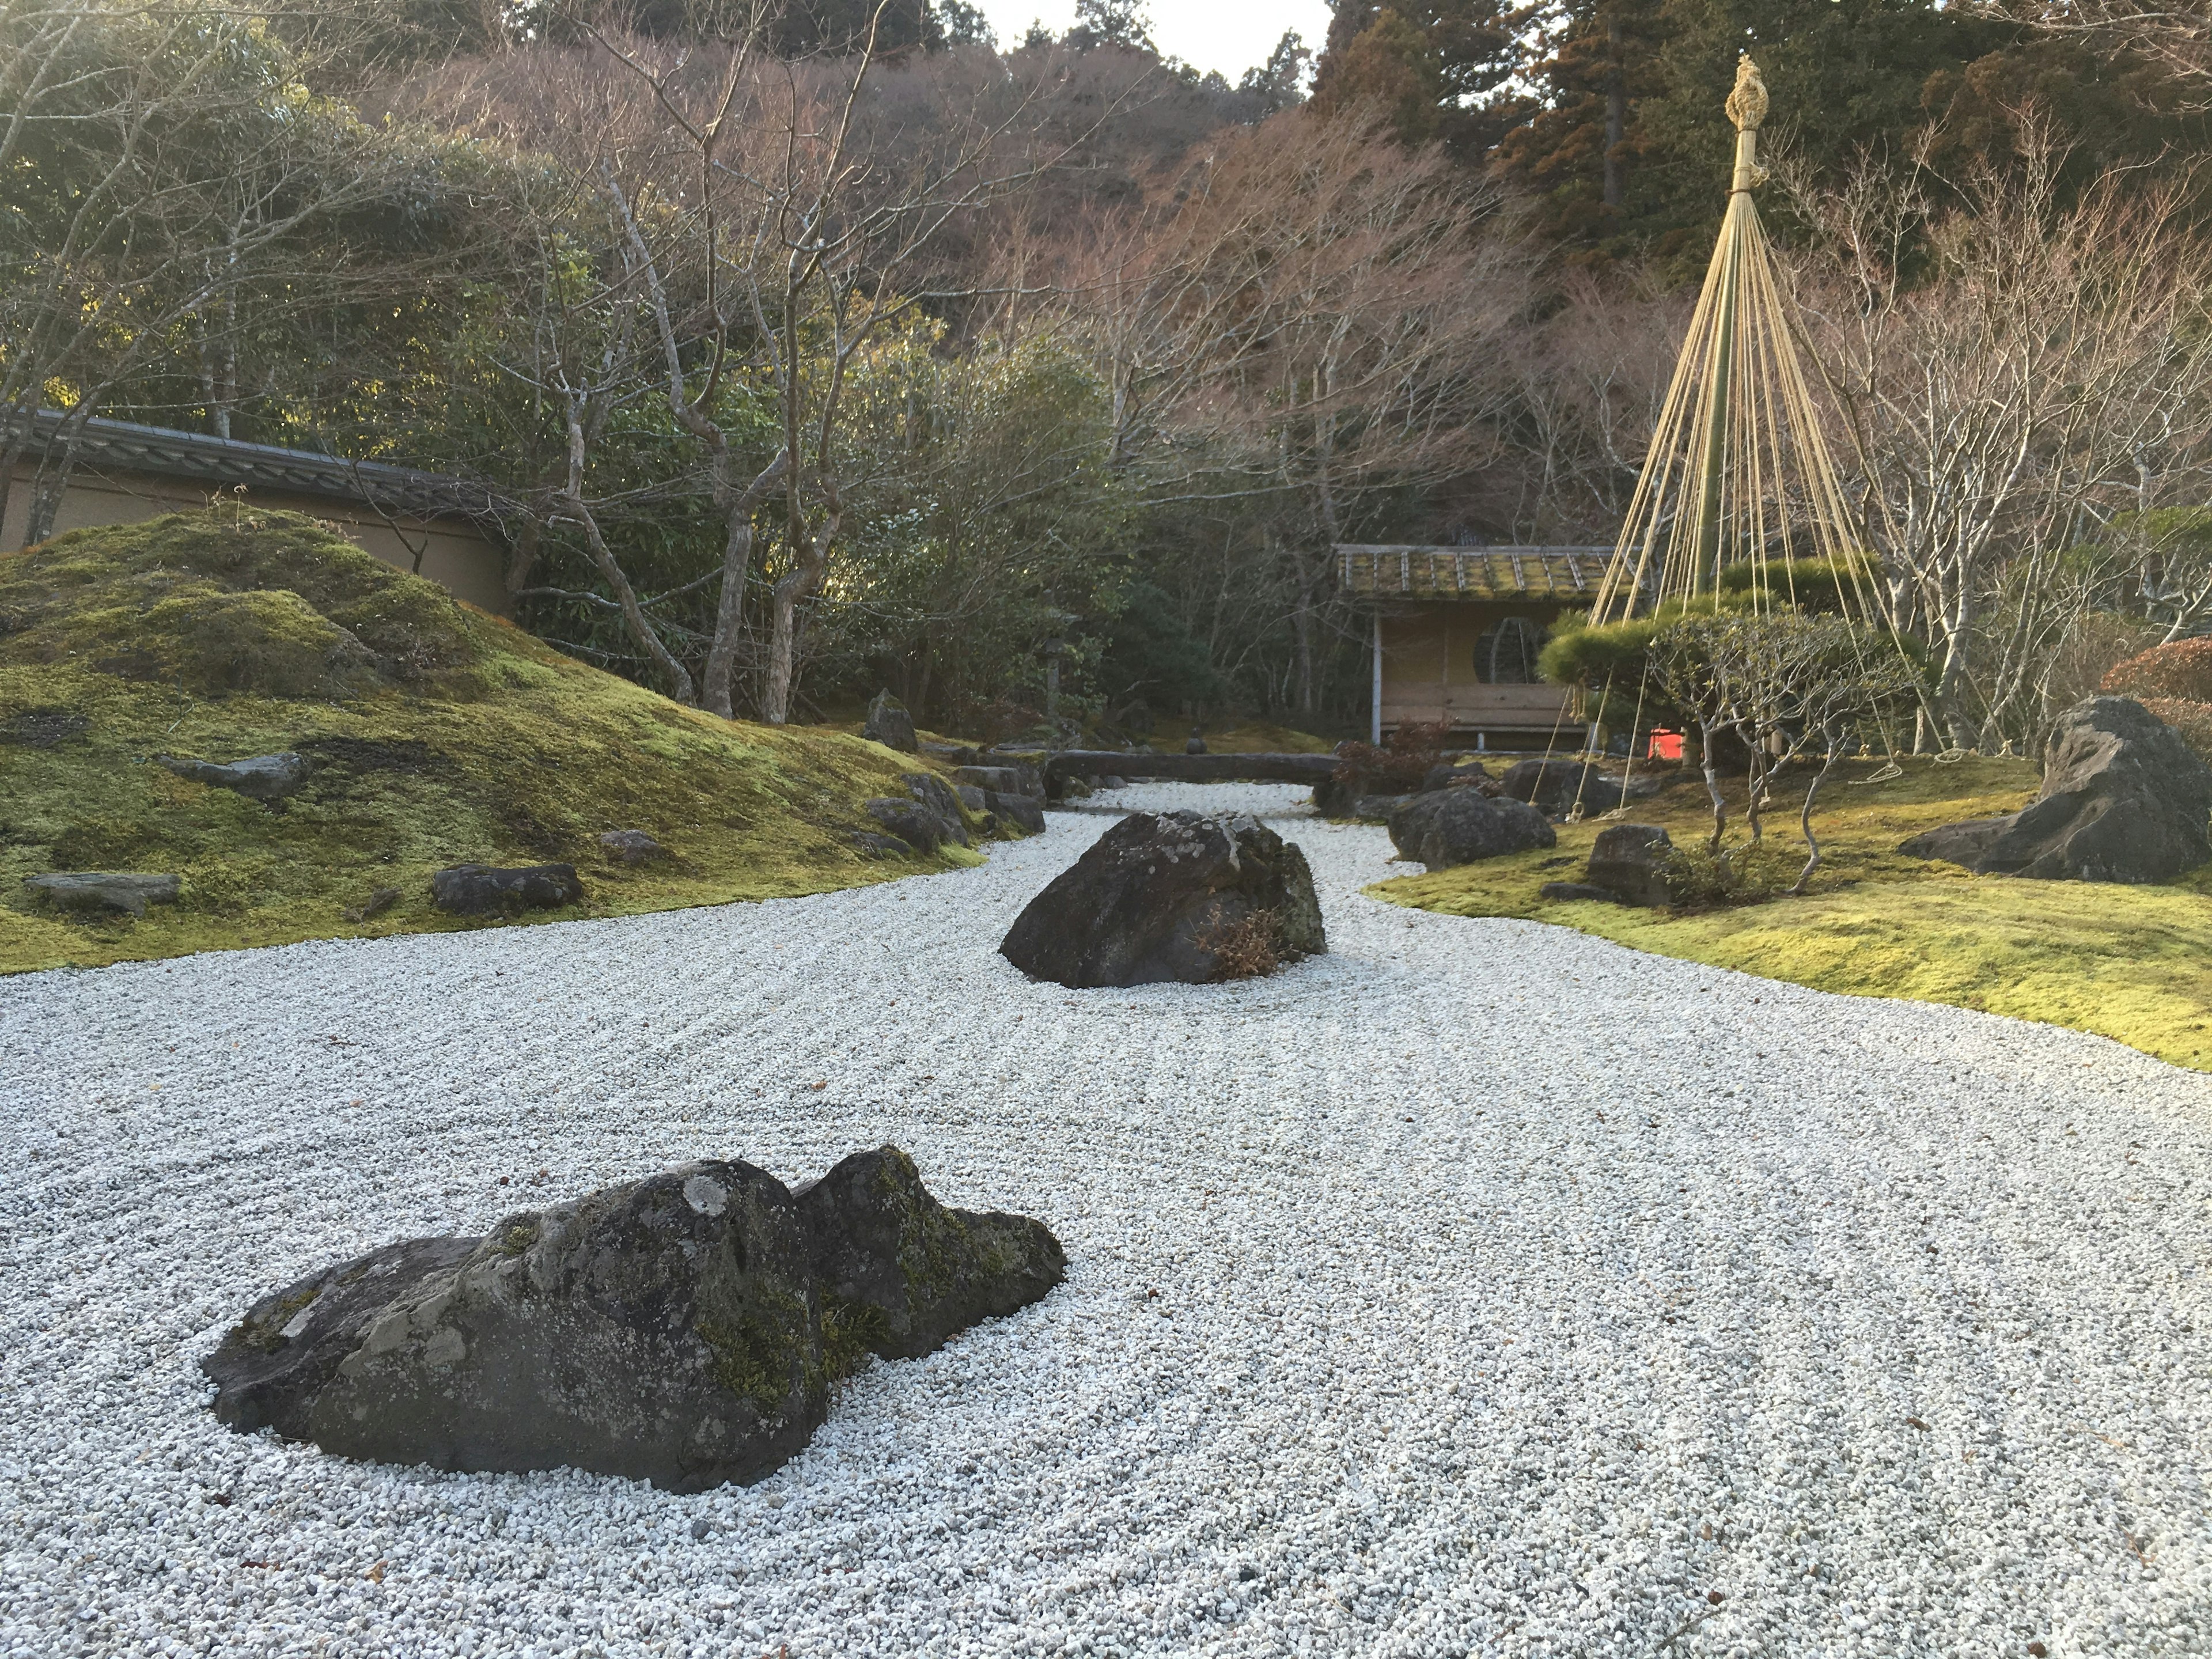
257,777
483,890
105,890
685,1329
1458,826
2124,800
1161,896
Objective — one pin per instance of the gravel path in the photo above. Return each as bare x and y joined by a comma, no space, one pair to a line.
1478,1288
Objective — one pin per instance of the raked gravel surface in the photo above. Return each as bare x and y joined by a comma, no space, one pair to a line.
1478,1288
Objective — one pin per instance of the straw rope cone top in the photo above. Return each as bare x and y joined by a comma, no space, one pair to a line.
1738,470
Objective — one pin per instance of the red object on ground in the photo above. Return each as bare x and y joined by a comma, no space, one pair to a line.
1665,745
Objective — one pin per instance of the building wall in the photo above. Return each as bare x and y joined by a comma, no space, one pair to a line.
1429,672
456,555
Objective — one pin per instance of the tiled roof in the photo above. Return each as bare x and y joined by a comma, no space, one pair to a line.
125,447
1566,574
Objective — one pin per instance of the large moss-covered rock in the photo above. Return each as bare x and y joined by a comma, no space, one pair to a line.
685,1329
1171,896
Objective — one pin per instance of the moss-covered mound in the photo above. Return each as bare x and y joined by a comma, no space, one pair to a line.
2134,963
438,735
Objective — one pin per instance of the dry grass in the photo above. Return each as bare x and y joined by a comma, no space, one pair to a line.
1250,947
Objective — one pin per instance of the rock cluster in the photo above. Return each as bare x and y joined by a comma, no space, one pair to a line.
2124,800
1171,896
685,1329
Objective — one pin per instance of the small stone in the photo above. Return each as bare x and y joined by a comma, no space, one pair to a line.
374,905
257,777
631,846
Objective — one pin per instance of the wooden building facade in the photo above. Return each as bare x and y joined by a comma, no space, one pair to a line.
1456,631
442,528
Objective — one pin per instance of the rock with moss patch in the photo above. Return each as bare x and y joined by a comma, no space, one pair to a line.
914,824
105,890
910,1274
373,906
257,777
1158,897
483,890
685,1329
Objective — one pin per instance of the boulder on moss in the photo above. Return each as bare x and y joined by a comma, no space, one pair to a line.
1555,786
685,1329
1171,896
889,724
105,890
2124,800
1449,827
483,890
1636,863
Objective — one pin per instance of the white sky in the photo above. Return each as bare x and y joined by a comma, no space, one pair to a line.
1229,35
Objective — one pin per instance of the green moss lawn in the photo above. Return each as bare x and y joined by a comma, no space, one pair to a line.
2133,963
442,736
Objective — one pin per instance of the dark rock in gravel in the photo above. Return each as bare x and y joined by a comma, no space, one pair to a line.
2124,800
685,1329
631,846
373,906
889,724
1567,891
1459,826
483,890
896,1268
1168,896
277,1358
1634,861
257,777
105,890
1552,787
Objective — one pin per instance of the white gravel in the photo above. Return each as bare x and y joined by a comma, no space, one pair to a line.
1478,1288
